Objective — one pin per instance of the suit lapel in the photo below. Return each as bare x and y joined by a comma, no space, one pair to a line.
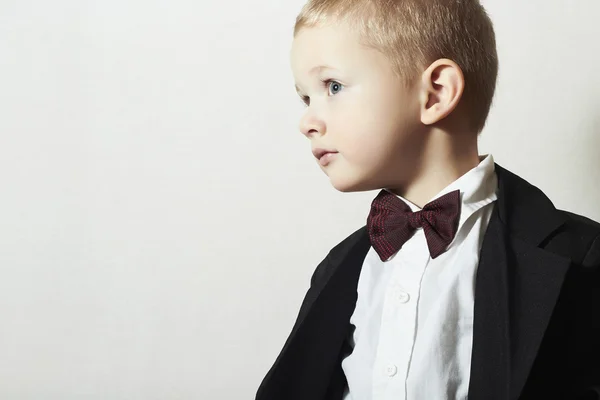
490,358
517,287
310,356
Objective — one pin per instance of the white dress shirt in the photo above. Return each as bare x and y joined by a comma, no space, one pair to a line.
414,314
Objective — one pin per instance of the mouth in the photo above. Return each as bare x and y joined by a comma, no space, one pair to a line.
327,158
324,156
320,153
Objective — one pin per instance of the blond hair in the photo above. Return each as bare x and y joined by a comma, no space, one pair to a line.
415,33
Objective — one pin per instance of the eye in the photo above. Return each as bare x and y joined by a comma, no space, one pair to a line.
331,84
327,83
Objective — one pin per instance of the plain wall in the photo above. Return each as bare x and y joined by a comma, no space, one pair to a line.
160,212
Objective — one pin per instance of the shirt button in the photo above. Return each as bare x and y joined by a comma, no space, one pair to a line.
391,370
403,297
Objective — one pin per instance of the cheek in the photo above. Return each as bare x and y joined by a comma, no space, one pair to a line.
367,126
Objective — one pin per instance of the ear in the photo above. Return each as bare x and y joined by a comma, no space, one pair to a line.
443,84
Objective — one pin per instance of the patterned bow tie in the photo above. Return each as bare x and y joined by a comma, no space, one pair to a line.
391,223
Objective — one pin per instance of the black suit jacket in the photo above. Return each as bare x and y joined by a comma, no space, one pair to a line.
536,327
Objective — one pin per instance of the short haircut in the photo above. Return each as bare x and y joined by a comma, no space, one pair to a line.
415,33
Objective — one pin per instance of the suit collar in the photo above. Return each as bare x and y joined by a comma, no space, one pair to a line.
524,209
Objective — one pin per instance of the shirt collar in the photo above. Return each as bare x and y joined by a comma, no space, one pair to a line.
477,189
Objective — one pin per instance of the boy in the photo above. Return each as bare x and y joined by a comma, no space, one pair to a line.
466,282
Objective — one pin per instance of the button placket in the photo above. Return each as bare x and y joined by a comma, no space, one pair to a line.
403,297
391,370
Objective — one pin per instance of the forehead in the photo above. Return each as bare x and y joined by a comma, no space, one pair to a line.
334,46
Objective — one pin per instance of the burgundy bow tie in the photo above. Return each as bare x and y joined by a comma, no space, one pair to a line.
391,223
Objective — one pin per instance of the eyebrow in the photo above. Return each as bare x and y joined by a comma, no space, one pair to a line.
313,70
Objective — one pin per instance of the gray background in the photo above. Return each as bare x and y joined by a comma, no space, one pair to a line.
139,139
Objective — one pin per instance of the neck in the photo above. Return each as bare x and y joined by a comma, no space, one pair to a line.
445,159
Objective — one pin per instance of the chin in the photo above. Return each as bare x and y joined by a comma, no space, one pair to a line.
349,185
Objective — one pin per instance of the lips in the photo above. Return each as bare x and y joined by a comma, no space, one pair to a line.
318,152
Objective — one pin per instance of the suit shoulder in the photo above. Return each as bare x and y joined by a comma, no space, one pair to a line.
582,221
341,250
350,241
586,233
582,227
338,253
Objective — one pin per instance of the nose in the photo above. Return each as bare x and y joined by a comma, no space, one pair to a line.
310,125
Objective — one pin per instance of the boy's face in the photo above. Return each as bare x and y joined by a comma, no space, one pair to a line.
365,113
